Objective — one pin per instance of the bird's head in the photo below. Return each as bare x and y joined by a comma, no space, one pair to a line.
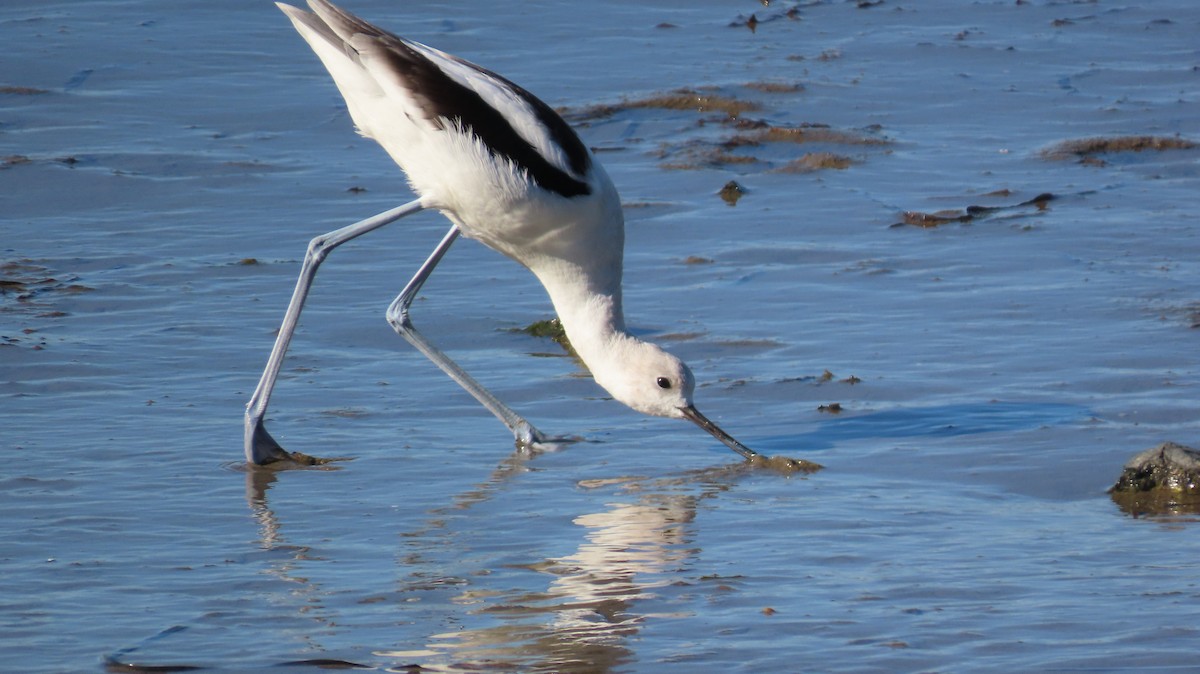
648,379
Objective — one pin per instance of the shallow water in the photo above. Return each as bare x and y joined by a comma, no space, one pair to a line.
1006,367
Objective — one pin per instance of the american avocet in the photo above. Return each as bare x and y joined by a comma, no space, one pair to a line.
508,172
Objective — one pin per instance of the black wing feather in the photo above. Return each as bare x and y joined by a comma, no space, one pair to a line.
441,97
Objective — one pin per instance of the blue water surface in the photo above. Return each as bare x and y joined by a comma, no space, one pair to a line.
163,164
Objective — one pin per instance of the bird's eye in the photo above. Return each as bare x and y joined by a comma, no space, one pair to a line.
663,382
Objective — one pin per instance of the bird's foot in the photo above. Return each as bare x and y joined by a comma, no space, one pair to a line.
264,450
533,441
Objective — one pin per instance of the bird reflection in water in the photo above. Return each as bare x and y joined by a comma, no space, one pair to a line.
582,618
588,611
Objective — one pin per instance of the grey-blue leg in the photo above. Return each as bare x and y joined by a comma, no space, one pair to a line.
397,315
260,447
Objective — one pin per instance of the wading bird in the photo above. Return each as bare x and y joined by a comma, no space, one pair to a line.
507,171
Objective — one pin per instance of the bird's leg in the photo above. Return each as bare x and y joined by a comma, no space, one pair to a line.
260,447
397,315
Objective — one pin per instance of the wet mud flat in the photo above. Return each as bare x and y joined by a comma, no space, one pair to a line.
947,251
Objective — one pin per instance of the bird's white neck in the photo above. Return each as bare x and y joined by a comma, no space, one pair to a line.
591,316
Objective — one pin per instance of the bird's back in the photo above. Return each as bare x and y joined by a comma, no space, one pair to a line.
496,160
442,118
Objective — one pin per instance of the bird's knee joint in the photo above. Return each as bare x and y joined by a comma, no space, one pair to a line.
318,248
400,320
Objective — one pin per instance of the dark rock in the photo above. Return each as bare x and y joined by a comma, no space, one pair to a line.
1161,480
